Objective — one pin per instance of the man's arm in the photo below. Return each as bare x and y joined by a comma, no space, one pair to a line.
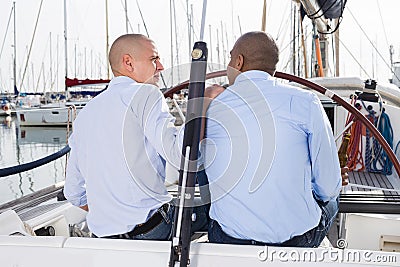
74,188
326,173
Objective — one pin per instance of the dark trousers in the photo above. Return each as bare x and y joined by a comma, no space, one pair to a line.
311,238
163,230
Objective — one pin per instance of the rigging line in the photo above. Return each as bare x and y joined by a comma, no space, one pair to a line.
5,36
296,52
191,24
383,25
372,44
129,21
141,15
335,29
42,68
355,59
30,48
291,41
311,16
281,24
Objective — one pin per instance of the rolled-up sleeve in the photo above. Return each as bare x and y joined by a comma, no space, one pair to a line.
74,188
326,177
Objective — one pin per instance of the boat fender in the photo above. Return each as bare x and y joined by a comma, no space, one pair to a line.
6,107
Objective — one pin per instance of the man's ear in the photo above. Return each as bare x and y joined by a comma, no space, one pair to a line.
239,62
127,62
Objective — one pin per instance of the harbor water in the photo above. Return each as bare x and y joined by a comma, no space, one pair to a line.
20,145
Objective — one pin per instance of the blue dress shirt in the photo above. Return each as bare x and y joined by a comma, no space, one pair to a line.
268,151
119,145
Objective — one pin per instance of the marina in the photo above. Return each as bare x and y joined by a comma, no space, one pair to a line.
22,145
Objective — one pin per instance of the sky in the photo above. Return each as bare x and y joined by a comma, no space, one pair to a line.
86,35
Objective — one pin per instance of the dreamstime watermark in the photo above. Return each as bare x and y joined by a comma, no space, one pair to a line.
329,254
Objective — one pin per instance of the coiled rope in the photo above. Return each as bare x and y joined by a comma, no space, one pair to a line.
377,154
34,164
355,158
376,159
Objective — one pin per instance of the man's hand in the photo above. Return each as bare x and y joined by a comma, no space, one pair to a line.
345,175
85,208
210,93
213,91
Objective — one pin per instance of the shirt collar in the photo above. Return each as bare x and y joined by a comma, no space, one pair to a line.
121,79
253,74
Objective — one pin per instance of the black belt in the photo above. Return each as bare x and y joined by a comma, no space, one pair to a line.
143,228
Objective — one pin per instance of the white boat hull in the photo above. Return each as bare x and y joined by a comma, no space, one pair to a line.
91,252
55,116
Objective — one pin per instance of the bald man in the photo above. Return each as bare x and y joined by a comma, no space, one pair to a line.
121,141
270,156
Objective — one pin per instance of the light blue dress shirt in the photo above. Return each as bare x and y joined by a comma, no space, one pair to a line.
120,142
269,147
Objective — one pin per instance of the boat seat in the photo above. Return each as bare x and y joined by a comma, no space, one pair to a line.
117,244
11,224
383,231
57,216
32,241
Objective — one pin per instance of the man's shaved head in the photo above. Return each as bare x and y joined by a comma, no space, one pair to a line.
125,44
135,56
259,52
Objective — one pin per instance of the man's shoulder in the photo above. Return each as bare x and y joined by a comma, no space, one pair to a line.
297,92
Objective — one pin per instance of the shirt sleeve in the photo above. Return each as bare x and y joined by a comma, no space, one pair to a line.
158,124
74,188
326,177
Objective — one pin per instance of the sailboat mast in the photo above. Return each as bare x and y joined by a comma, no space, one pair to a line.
176,41
264,17
107,44
75,66
218,48
189,28
65,47
303,45
51,67
172,41
223,45
211,58
126,16
337,58
15,54
294,39
203,20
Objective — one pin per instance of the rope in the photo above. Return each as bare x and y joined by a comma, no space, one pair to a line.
373,45
396,150
369,152
380,156
355,147
34,164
